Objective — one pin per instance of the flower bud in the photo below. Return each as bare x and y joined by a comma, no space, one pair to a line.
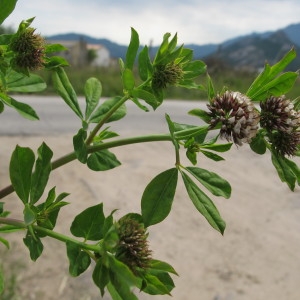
29,50
164,75
133,249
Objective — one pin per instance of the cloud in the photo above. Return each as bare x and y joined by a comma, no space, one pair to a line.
195,21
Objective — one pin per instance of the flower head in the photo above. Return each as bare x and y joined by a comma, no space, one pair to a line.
133,245
277,113
282,121
286,143
29,49
164,75
237,116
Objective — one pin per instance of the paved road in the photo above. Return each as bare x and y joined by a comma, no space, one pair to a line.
57,118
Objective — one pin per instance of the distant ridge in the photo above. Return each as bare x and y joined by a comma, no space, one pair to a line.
250,50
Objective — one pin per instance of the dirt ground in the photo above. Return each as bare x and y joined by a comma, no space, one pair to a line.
257,258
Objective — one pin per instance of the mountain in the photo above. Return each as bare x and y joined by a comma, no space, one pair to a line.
252,51
249,51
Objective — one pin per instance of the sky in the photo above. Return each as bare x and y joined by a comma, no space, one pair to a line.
195,21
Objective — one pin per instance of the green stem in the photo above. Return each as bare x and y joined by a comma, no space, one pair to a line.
50,233
112,144
105,118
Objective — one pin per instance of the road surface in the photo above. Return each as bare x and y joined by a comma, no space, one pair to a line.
56,117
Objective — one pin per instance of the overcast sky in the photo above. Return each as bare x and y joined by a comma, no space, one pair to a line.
195,21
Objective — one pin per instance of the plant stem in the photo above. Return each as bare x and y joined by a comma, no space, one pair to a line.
105,118
112,144
50,233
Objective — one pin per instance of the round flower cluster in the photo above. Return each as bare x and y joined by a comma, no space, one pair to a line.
282,122
164,75
133,248
236,115
29,50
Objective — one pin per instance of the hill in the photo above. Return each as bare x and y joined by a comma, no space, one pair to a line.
249,51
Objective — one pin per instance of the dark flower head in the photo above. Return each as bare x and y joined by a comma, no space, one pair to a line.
164,75
29,50
237,116
286,143
277,113
133,249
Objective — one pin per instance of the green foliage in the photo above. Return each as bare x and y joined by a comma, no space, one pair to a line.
204,204
158,197
271,81
7,7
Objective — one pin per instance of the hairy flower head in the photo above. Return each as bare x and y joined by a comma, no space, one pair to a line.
282,122
278,113
286,143
29,49
164,75
237,116
133,249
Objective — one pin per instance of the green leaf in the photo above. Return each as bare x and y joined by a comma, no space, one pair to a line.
258,143
6,244
23,109
194,69
210,89
118,293
163,48
285,173
64,88
217,147
122,278
41,173
294,168
211,155
7,7
102,161
202,114
277,87
51,48
20,169
88,224
192,156
269,73
29,215
162,266
128,80
158,197
217,185
101,275
132,49
105,107
149,97
54,62
20,83
1,107
154,286
145,67
92,91
34,245
80,146
204,204
191,132
79,260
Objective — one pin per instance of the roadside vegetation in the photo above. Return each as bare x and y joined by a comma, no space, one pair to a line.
223,75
